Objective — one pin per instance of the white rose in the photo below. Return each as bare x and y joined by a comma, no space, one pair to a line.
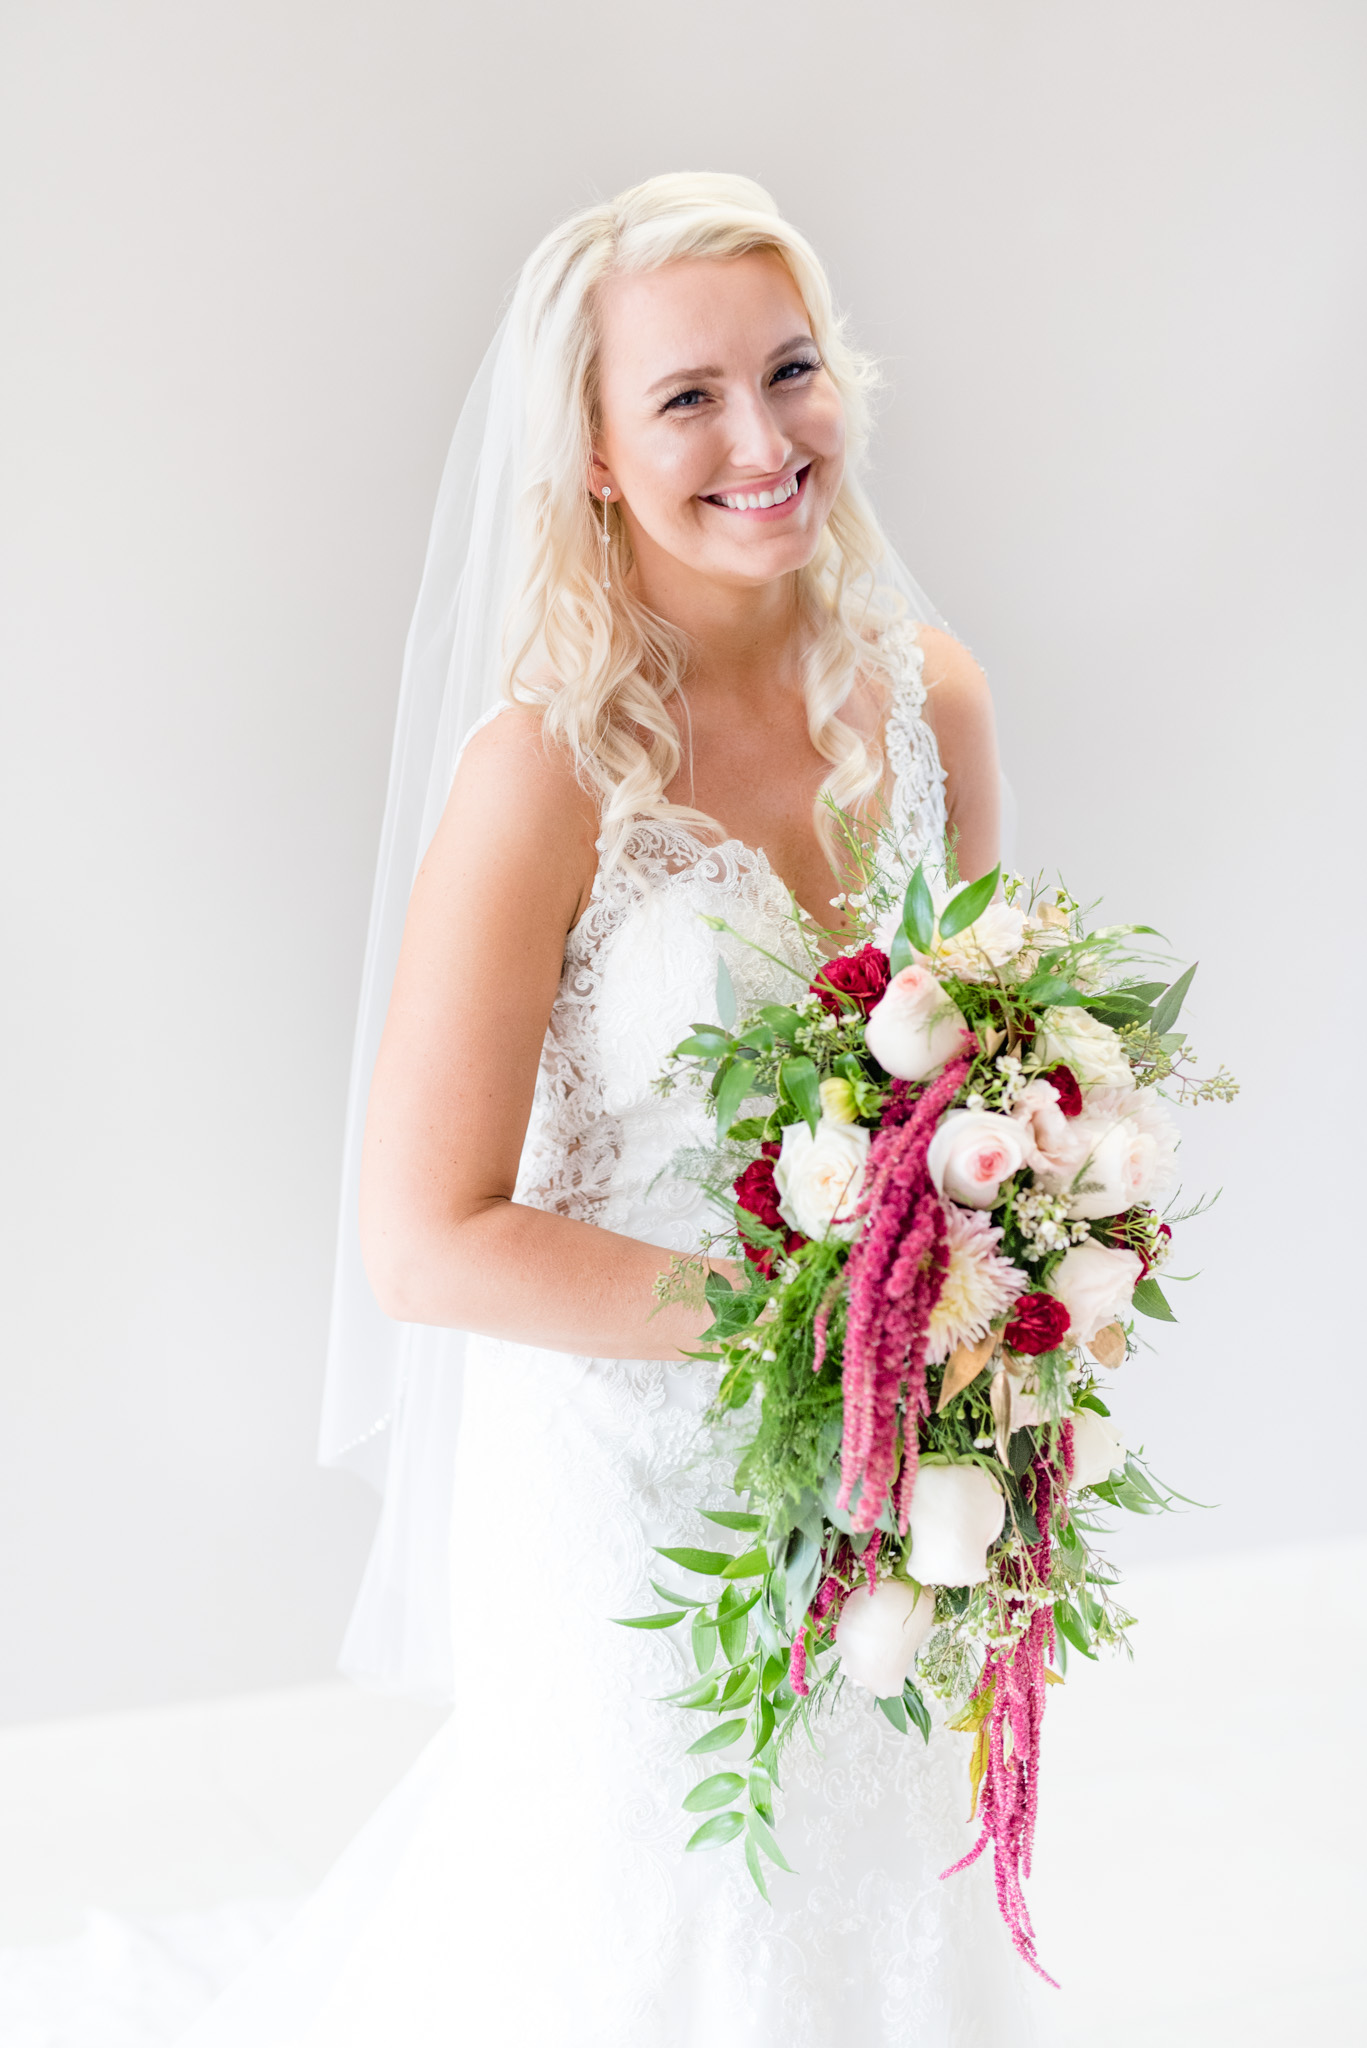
1095,1282
1098,1448
820,1176
1122,1150
956,1512
972,1153
975,953
1054,1147
1089,1047
915,1027
879,1633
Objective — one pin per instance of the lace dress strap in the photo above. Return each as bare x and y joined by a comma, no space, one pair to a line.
916,804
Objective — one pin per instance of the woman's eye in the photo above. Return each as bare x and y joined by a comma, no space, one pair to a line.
800,368
684,401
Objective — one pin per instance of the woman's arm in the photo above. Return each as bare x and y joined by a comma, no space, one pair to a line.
959,713
507,874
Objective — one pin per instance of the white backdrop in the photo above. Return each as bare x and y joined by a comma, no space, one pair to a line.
252,250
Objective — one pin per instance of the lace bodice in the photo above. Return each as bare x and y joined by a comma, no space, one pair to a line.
641,967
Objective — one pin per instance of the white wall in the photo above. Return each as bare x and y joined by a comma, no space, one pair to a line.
252,250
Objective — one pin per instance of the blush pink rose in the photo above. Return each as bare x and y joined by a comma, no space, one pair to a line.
972,1153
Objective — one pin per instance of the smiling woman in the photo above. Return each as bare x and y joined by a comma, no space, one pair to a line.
646,802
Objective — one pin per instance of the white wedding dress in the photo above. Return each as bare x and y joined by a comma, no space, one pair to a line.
527,1886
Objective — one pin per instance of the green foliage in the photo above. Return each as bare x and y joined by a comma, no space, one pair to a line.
1150,1300
722,1828
718,1790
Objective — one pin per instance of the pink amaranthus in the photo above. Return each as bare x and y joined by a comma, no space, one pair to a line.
894,1276
1012,1688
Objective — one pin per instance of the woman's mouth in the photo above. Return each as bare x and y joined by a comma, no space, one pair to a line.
774,501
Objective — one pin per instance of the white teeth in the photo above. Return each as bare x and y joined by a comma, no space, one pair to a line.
756,502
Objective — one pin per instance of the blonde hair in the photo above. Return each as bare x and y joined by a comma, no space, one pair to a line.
599,663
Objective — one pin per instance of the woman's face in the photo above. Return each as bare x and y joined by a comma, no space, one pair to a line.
721,434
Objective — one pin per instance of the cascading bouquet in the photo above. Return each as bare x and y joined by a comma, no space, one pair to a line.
947,1219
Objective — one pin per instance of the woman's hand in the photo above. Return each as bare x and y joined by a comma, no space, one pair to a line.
508,873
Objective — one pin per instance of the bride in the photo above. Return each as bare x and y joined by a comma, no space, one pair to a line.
659,627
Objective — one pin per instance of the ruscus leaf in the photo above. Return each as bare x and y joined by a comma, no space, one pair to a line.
799,1081
918,912
720,1737
709,1562
751,1564
718,1790
648,1620
722,1828
970,903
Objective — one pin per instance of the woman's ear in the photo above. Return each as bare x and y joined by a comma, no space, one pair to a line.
599,479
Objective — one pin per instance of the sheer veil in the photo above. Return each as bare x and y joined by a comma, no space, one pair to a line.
391,1400
391,1407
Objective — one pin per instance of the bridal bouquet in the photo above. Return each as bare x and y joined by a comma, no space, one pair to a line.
942,1168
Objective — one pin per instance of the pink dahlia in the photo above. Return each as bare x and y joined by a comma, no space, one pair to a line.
979,1284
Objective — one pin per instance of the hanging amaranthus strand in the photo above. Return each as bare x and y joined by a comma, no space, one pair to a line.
1015,1683
894,1276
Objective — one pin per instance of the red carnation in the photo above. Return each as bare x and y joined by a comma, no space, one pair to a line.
757,1193
863,976
1039,1322
1063,1081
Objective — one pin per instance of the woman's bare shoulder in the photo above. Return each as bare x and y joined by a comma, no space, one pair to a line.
949,671
517,798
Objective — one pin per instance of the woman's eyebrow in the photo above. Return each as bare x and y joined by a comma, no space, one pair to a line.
711,369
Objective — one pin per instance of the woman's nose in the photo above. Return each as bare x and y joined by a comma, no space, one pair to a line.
757,440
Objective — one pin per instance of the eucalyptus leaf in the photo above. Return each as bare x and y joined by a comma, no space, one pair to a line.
783,1022
720,1737
1169,1005
970,903
718,1790
722,1828
726,994
896,1713
721,1039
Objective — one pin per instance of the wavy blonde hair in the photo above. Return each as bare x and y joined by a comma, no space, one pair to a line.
600,664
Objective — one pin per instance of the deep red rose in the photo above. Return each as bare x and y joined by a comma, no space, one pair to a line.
1063,1081
1039,1322
756,1192
863,976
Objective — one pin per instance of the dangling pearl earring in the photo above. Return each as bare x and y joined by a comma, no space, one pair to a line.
607,493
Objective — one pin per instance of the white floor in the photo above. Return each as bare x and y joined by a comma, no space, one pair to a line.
1199,1878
